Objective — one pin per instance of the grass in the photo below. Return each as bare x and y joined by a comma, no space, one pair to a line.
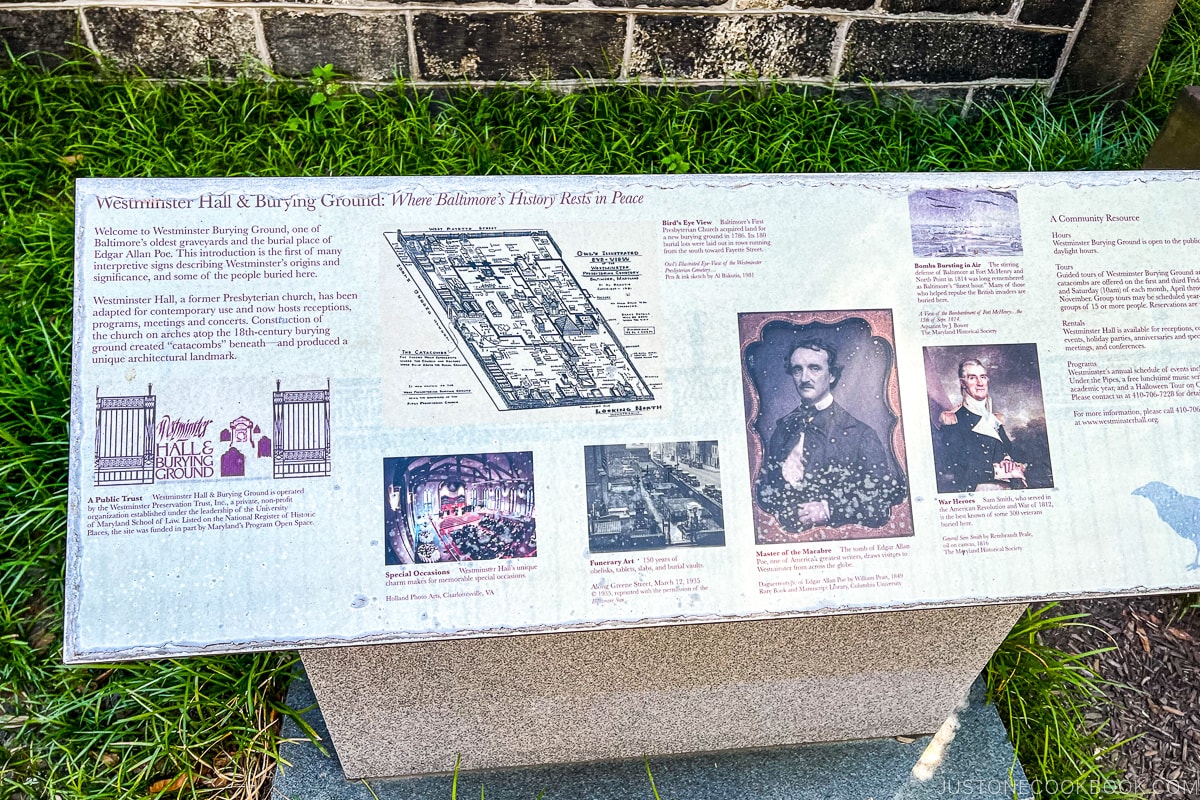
204,727
1042,694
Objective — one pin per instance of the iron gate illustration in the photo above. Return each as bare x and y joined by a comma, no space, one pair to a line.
301,442
125,439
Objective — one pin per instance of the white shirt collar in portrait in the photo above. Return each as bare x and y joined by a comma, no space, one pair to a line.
989,424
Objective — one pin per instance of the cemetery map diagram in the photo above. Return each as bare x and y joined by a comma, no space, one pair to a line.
531,332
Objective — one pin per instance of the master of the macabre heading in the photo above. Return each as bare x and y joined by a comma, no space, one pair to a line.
823,466
975,451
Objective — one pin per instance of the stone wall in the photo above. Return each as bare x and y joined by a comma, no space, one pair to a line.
939,47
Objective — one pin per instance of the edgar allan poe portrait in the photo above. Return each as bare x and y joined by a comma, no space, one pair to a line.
822,411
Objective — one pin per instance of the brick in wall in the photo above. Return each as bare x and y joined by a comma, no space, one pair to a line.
948,6
519,47
167,43
839,5
372,47
939,51
657,3
1052,12
716,46
42,36
991,96
927,97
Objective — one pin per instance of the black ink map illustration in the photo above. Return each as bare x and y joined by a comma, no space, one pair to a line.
534,336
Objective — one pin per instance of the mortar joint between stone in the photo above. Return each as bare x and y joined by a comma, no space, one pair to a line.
627,49
260,40
967,101
1068,48
414,66
88,39
838,50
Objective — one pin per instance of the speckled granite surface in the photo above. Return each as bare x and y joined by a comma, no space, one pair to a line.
504,702
978,762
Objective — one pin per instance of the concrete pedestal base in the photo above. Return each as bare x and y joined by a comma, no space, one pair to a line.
411,709
970,757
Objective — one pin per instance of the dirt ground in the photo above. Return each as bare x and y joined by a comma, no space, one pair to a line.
1154,696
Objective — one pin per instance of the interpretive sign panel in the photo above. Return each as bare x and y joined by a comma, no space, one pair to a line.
310,412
